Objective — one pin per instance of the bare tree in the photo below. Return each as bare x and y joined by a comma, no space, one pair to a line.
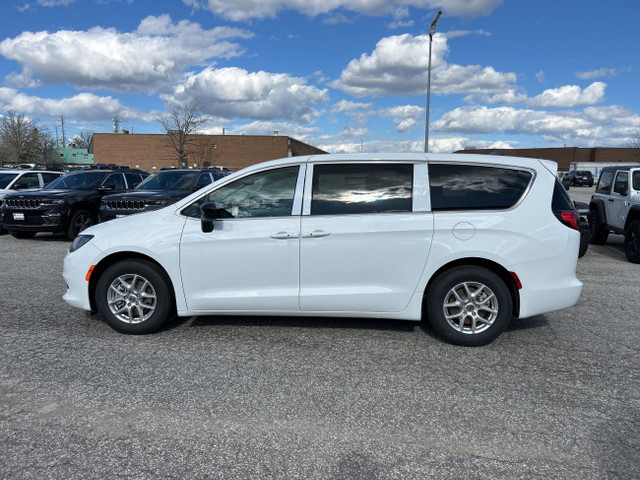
82,139
45,146
18,138
181,125
635,140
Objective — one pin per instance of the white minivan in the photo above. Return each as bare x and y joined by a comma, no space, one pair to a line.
464,241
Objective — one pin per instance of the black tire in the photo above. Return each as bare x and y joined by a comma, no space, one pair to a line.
134,297
599,233
632,242
80,220
22,235
585,237
490,313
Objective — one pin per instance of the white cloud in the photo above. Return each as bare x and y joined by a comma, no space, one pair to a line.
464,33
398,66
299,132
86,106
145,60
601,73
246,10
236,93
541,76
55,3
591,127
569,96
404,117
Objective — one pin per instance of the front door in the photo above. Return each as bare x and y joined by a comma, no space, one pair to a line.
250,261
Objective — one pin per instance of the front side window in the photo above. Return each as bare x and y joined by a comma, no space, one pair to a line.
116,180
264,194
473,187
604,184
361,189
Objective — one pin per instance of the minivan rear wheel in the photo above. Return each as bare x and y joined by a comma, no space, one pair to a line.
469,305
134,297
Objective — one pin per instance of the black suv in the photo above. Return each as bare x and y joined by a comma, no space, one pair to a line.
158,190
580,177
67,205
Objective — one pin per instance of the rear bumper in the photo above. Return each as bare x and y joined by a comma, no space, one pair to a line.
550,284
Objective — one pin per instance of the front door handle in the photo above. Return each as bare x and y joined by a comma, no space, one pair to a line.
316,234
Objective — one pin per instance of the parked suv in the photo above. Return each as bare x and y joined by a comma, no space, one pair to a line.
156,191
12,180
615,208
67,205
467,241
581,178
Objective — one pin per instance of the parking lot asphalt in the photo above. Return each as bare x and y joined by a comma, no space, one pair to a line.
556,396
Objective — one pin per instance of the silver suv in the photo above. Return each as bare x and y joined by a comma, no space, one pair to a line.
615,208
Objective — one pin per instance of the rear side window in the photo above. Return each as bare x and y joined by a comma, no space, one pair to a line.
472,187
355,189
636,180
606,179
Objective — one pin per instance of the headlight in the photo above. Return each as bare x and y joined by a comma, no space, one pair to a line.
79,241
157,203
56,201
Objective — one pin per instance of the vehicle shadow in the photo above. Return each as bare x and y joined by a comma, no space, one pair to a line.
302,322
613,249
40,237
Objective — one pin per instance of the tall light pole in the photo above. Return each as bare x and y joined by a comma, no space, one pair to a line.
432,30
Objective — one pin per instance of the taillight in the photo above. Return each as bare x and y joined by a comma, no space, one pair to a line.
570,218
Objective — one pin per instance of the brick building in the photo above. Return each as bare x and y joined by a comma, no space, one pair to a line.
152,152
564,156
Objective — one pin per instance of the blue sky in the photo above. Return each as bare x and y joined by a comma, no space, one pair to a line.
344,75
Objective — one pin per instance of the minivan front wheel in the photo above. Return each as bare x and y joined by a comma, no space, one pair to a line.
134,297
469,305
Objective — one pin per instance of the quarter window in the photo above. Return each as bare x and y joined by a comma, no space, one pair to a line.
361,188
471,187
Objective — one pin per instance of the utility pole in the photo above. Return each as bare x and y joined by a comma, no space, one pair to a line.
64,139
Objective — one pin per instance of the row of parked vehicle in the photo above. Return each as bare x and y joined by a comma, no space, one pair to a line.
33,201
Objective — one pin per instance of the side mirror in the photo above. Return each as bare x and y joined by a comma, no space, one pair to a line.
208,215
107,188
20,186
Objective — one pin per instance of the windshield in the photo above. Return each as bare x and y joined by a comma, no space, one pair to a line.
77,181
6,178
168,180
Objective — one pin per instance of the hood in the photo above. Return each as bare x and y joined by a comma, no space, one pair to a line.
48,193
148,194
